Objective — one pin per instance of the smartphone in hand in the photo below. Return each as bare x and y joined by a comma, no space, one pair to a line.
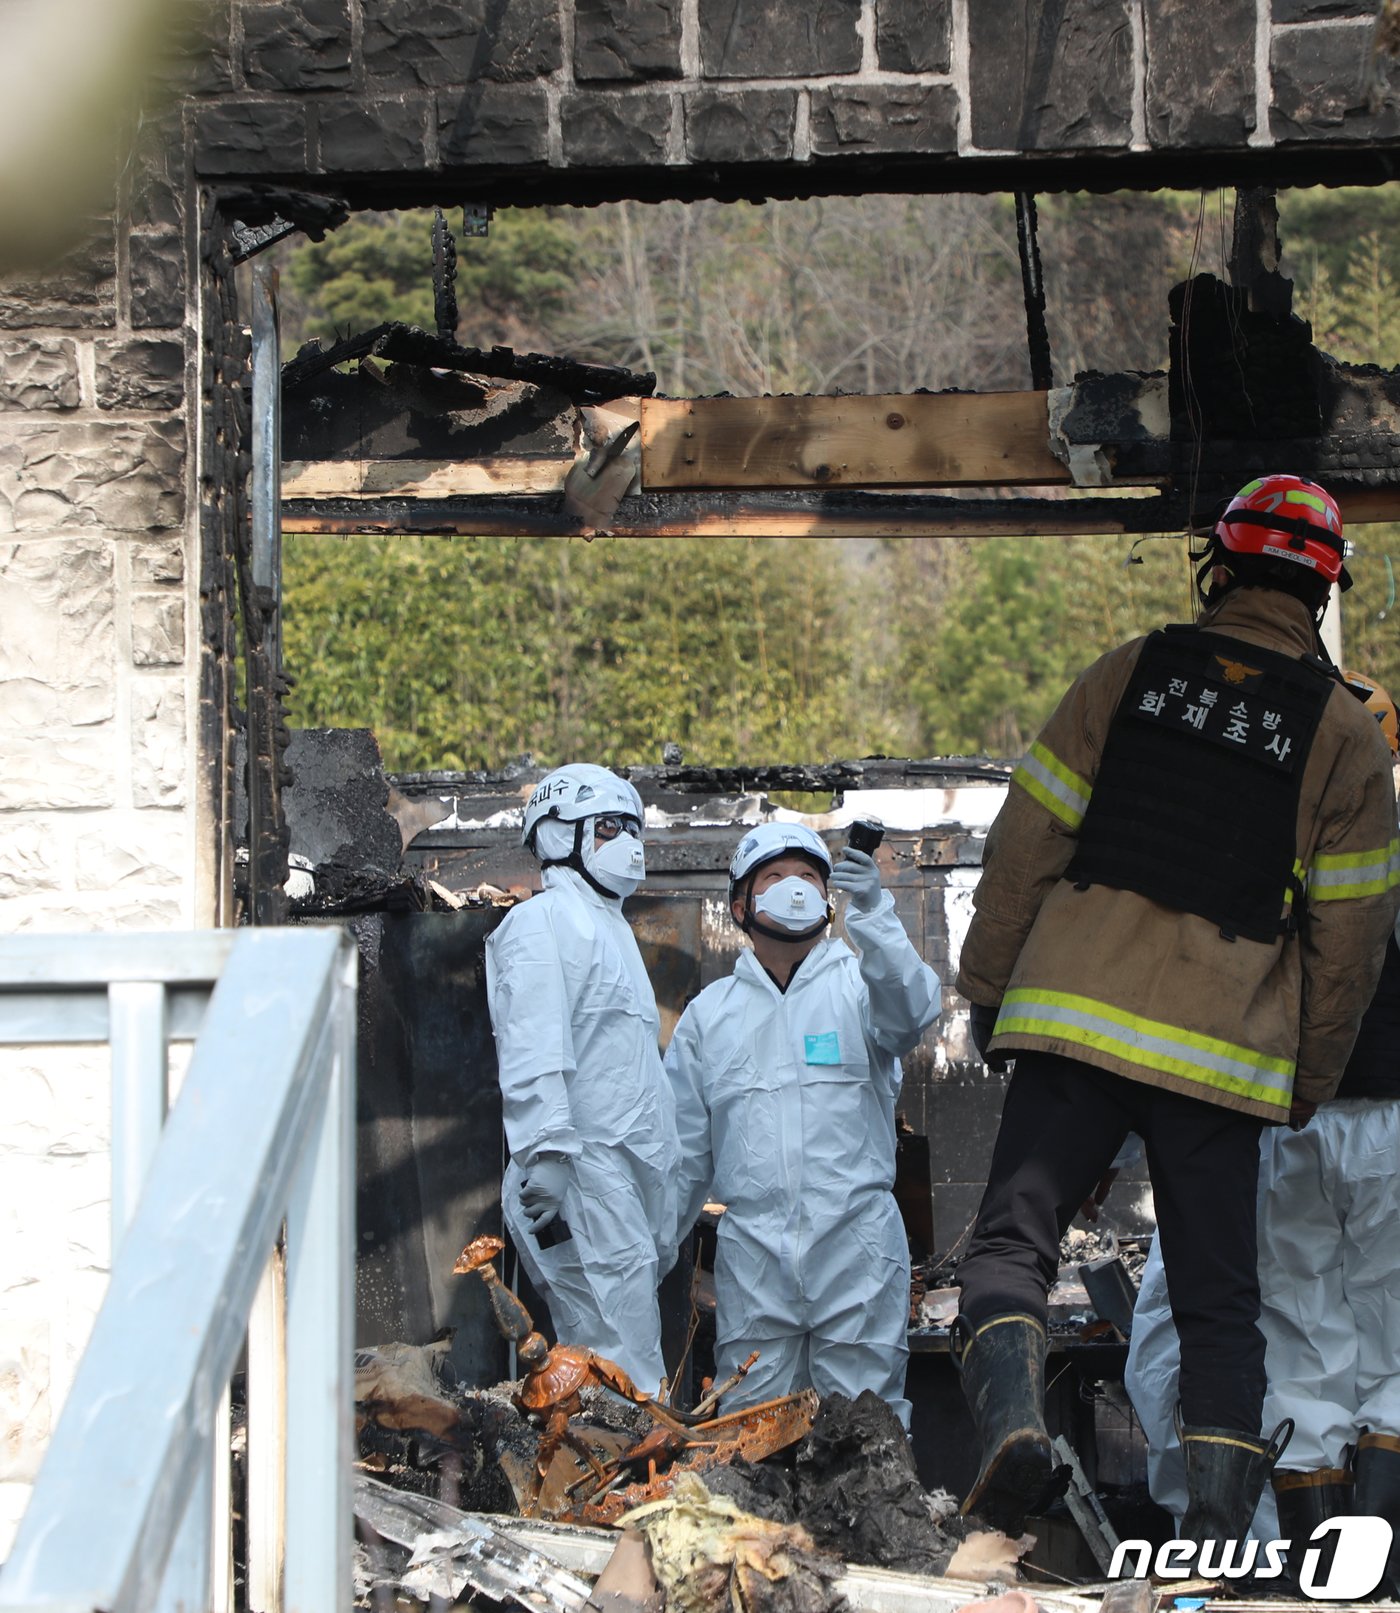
554,1232
865,834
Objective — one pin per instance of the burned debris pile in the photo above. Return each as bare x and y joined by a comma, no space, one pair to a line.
763,1508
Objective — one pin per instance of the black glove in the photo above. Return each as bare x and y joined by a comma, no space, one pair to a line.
984,1021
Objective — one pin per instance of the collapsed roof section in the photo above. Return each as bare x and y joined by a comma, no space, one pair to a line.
448,439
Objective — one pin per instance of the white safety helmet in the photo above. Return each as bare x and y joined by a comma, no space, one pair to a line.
579,790
771,840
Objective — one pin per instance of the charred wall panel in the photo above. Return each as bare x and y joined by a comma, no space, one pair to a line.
429,1130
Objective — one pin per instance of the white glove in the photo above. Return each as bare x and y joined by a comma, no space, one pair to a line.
857,875
542,1189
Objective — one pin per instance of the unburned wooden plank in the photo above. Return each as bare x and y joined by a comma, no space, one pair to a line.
912,440
424,478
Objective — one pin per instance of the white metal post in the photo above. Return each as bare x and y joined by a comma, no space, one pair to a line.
138,1030
320,1340
267,1436
221,1499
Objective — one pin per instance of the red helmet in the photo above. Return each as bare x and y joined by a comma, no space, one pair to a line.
1286,518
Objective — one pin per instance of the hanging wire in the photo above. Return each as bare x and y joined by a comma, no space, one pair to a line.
1237,343
1194,415
1389,605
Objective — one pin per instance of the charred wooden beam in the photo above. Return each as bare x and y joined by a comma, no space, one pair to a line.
683,515
263,215
492,792
677,515
405,344
1255,252
1033,292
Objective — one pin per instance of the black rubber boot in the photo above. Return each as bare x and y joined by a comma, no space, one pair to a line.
1304,1501
1226,1472
1003,1378
1377,1495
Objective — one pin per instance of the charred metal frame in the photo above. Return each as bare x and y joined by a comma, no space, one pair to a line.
238,593
1033,289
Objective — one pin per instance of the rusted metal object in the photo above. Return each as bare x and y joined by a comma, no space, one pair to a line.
755,1433
511,1316
554,1378
596,1491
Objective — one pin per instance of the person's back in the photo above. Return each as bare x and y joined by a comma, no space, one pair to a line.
1177,929
1086,977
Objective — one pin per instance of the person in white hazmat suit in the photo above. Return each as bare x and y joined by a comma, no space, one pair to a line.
1329,1269
589,1194
1150,1379
785,1075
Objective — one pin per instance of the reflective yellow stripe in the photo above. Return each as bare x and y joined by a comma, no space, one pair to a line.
1340,876
1300,877
1313,502
1149,1043
1254,1445
1059,789
1311,1480
1011,1316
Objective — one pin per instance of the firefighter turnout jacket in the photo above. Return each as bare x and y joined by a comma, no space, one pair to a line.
1195,872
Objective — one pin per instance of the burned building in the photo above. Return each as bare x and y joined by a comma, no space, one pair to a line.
136,457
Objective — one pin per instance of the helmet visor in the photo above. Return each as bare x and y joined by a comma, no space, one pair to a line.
609,825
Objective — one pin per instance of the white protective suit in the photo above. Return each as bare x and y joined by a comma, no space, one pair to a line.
785,1106
577,1042
1150,1378
1329,1277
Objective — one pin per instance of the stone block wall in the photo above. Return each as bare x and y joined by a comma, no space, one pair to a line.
99,654
580,99
96,648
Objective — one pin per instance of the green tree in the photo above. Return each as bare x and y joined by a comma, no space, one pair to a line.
465,652
510,284
1370,611
1019,618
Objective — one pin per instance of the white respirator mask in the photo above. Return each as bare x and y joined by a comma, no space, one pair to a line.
618,864
796,904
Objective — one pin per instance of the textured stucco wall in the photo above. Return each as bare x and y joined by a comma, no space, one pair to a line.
99,657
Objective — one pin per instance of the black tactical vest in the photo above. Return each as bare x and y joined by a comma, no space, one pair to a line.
1196,800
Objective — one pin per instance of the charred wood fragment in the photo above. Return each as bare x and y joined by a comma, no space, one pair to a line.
259,216
404,344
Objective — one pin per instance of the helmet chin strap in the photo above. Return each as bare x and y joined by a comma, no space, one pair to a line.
575,861
1213,555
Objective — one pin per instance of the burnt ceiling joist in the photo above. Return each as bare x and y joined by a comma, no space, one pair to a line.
397,343
718,515
425,436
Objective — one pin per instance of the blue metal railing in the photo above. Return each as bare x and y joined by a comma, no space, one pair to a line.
232,1225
